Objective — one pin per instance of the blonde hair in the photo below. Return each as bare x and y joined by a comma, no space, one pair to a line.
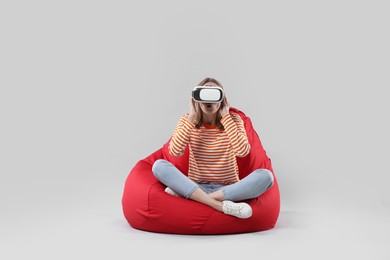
199,114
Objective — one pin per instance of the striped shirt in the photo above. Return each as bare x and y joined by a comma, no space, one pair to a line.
212,151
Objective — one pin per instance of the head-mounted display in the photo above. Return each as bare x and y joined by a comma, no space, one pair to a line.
207,94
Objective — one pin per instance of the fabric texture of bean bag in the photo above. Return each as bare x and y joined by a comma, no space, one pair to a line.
146,206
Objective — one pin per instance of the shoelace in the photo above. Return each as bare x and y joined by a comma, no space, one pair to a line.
231,208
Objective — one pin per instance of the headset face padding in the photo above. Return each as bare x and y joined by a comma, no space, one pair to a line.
206,94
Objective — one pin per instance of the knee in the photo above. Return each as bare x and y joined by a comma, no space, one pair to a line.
157,167
265,178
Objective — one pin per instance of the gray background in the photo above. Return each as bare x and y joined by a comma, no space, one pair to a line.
88,88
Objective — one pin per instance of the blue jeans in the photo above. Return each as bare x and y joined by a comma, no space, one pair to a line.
252,186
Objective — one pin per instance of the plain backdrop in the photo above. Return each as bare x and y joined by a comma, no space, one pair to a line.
88,88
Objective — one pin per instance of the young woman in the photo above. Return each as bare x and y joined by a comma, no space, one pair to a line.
215,138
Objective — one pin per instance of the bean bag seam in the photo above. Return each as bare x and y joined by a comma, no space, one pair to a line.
204,225
150,189
148,208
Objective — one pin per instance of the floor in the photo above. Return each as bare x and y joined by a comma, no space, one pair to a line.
99,231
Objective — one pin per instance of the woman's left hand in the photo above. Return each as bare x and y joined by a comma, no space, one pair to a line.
225,110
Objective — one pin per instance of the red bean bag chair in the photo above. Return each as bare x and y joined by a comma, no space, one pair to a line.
146,205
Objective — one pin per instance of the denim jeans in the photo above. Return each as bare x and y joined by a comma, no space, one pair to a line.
252,186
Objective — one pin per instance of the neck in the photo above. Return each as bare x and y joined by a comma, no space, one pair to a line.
209,119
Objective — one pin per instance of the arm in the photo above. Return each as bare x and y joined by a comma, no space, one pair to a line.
234,127
182,132
181,136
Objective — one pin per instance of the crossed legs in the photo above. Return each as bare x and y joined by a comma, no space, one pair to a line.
249,187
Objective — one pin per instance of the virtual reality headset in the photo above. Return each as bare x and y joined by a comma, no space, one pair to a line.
205,94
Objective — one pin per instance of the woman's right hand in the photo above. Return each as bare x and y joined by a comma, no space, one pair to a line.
193,111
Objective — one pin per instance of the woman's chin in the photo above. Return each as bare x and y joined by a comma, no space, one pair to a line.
209,112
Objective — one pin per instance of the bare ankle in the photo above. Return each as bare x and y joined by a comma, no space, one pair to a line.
217,195
218,205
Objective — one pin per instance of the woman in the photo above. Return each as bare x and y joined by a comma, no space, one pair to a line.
215,138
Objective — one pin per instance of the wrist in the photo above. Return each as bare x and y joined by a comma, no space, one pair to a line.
224,114
191,118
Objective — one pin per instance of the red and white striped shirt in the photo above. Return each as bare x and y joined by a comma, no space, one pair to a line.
212,151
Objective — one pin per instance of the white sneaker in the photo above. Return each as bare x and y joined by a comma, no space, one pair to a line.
170,191
239,210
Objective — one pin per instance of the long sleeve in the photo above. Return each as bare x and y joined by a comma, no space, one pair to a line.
181,136
234,127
